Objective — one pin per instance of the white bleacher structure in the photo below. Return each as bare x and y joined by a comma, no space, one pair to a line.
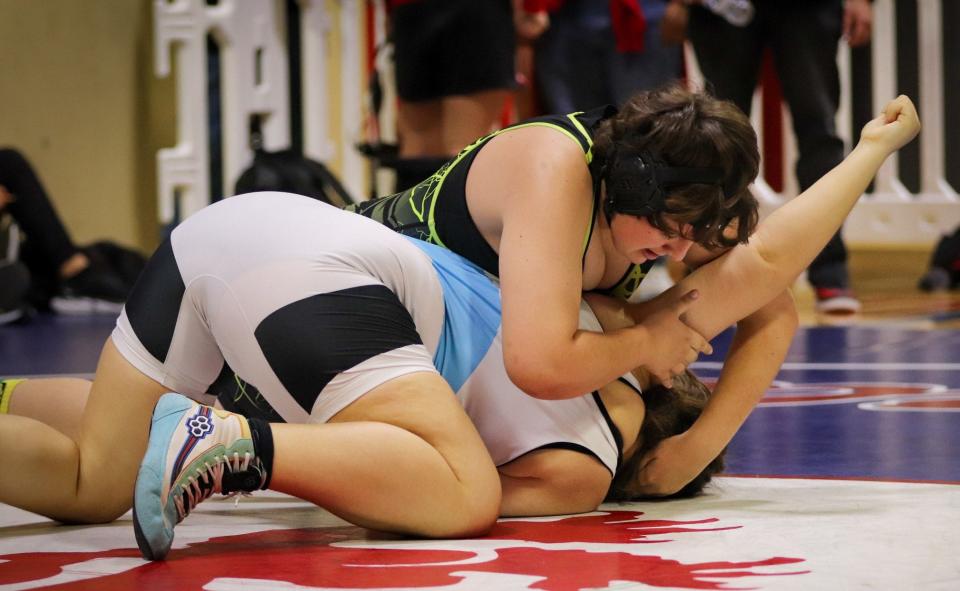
334,50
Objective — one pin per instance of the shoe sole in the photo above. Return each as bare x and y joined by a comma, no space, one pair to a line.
80,306
839,305
166,418
10,316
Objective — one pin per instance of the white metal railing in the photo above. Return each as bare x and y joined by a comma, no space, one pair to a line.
253,81
246,29
891,214
320,30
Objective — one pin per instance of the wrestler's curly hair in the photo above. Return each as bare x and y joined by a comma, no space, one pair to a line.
691,129
669,411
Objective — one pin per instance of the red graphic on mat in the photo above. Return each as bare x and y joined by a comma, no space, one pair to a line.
614,527
306,557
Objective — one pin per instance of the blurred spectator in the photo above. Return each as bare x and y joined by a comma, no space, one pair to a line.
454,70
944,271
596,52
61,275
803,38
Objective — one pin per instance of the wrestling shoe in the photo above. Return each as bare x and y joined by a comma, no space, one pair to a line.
194,451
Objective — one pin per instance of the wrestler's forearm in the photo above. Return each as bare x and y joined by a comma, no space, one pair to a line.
750,275
796,232
759,348
558,368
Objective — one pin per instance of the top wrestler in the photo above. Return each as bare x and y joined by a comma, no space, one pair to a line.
561,205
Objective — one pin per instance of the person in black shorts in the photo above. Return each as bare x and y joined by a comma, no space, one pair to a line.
803,38
454,64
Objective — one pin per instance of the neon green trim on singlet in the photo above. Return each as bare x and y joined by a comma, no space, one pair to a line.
633,278
589,156
441,175
413,212
537,124
6,392
583,131
413,208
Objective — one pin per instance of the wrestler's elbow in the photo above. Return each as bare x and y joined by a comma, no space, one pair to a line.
538,373
786,310
780,313
769,258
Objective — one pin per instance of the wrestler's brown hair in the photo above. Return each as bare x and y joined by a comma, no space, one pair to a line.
668,412
691,129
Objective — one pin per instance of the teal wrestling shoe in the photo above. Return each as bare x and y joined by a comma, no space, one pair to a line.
194,451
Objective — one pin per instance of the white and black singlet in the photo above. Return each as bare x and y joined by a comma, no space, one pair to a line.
315,306
310,304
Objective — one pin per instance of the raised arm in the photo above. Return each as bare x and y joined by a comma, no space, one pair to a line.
783,245
749,281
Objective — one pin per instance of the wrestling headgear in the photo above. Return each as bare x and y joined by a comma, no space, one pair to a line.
638,183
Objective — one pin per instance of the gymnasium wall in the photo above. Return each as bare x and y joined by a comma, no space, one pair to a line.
79,98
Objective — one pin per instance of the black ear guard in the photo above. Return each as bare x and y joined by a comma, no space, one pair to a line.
638,184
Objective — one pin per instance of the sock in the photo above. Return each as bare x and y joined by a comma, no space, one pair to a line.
6,393
262,436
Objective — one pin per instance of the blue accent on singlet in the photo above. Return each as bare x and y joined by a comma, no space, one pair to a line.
472,312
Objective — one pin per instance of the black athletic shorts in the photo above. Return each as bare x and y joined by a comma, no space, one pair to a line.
452,47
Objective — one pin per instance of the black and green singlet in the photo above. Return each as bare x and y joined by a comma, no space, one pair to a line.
436,209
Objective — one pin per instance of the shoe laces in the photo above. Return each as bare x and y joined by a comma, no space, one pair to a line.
209,479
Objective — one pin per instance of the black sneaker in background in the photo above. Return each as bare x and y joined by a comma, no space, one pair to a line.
94,290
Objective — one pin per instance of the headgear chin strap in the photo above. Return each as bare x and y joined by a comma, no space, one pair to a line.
638,184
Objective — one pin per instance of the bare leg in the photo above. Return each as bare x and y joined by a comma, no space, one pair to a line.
425,473
57,402
468,117
90,479
441,128
525,96
420,127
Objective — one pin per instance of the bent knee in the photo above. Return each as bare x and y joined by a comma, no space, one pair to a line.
466,525
474,518
87,517
93,512
109,514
